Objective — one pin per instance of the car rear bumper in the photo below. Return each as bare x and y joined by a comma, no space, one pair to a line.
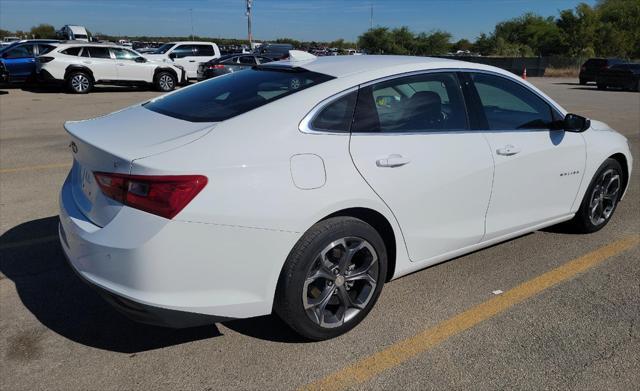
174,273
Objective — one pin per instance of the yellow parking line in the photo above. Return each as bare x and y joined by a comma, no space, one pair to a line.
404,350
34,168
29,242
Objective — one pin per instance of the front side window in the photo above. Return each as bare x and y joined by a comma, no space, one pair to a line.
336,116
44,48
183,51
420,103
508,105
163,49
124,54
225,97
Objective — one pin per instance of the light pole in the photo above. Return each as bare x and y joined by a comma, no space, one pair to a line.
248,13
191,12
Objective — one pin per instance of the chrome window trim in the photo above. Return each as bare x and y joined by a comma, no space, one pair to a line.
305,124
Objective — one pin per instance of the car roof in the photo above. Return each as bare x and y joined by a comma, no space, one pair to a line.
341,66
193,42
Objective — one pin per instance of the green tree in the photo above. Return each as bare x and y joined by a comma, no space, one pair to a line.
619,32
377,41
462,44
433,43
485,45
43,30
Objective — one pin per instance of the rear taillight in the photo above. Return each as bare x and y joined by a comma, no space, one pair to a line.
44,60
164,196
216,66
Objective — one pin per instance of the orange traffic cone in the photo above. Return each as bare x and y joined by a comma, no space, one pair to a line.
524,73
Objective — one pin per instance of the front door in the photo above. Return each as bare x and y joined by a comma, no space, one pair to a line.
412,144
128,68
537,170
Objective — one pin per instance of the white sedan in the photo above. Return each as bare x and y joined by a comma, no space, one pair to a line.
300,187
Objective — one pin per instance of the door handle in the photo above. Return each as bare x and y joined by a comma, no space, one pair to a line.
394,160
508,150
192,60
120,64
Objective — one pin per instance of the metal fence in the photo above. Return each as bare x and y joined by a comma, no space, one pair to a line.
535,66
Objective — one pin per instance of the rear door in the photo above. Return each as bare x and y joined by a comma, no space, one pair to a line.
537,170
20,61
412,144
99,60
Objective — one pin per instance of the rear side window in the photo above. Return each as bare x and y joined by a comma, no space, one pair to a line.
337,116
225,97
508,105
422,103
248,60
24,51
72,51
204,50
96,52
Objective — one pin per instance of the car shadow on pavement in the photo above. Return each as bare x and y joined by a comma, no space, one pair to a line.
31,257
56,89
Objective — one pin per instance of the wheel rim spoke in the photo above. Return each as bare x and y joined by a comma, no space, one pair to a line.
604,197
340,282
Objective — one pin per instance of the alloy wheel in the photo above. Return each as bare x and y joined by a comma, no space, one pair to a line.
166,82
340,282
604,197
80,83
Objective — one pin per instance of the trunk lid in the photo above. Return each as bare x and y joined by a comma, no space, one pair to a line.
111,143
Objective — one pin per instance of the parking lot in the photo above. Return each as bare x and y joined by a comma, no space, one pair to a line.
569,317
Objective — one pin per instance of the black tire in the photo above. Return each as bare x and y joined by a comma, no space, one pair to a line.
582,221
165,81
293,291
637,86
583,82
79,82
601,86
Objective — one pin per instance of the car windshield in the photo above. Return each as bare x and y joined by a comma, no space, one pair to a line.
163,49
227,96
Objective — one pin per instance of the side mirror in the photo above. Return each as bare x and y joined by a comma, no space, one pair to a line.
141,59
172,56
576,123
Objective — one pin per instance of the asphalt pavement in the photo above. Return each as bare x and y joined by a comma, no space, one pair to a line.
567,316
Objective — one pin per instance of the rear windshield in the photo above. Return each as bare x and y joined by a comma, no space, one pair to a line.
226,96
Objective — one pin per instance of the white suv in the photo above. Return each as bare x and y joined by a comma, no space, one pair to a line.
81,66
187,54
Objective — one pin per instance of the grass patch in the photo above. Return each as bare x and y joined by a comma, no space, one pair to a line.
562,72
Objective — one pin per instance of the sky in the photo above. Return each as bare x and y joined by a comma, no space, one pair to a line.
322,20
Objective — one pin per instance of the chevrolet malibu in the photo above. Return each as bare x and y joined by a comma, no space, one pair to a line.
300,187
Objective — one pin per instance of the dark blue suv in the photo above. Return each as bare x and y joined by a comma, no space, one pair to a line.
20,58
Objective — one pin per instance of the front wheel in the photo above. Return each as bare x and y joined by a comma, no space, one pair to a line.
332,278
583,81
601,198
601,86
165,82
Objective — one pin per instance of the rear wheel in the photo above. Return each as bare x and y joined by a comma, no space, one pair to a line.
601,198
79,83
582,81
601,86
165,82
332,278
